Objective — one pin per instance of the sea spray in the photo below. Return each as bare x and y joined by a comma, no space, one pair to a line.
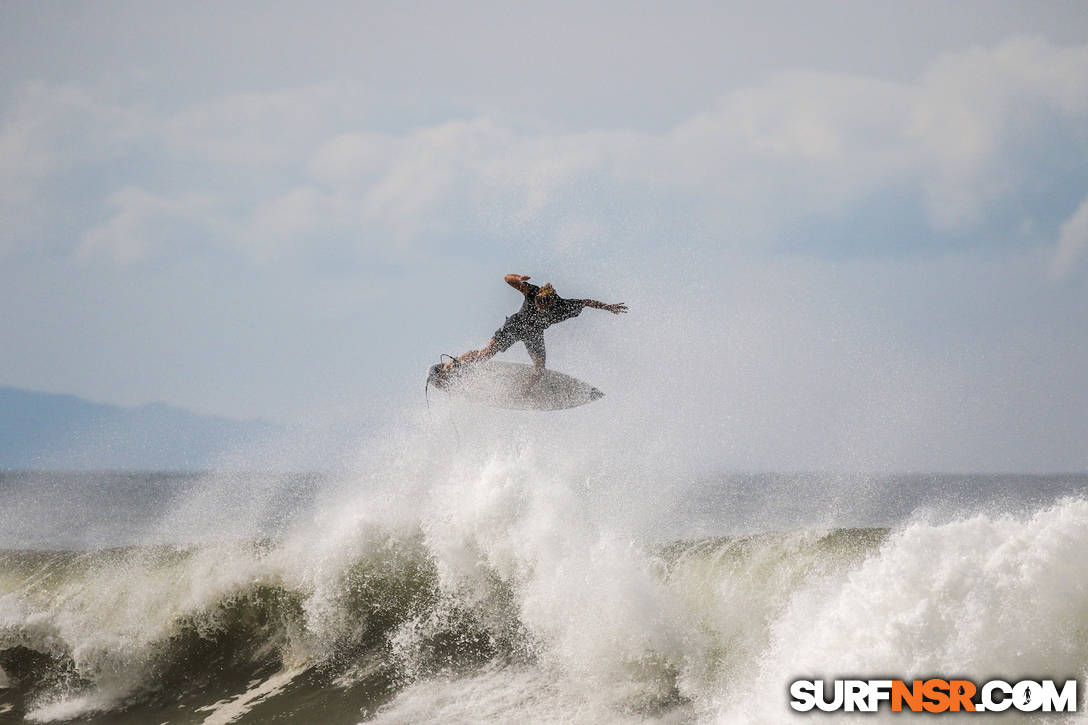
592,599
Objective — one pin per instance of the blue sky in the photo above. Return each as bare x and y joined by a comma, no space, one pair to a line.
851,234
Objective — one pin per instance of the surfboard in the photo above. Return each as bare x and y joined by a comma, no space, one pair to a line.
503,385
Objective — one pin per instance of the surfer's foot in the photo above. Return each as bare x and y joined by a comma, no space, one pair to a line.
534,378
436,375
442,371
452,364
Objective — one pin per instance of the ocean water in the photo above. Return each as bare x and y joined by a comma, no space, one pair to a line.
519,572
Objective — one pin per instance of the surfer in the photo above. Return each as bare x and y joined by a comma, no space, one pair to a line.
541,309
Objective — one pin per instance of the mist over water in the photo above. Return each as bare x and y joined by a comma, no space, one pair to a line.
472,567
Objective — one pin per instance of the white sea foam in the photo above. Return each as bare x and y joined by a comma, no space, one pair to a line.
516,694
227,711
982,596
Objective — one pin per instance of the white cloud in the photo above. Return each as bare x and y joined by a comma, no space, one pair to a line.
760,158
142,222
286,222
973,107
48,126
46,131
424,168
278,127
351,158
800,143
1072,242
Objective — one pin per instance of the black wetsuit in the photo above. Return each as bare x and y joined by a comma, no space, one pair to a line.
528,323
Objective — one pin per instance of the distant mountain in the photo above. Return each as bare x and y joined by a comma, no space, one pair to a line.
48,431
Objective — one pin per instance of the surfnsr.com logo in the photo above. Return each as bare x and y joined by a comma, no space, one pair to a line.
933,695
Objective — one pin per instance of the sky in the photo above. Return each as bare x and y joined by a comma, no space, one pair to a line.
851,234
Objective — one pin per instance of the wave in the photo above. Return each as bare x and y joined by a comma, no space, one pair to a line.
707,630
151,628
494,589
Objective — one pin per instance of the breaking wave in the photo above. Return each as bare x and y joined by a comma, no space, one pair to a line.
503,588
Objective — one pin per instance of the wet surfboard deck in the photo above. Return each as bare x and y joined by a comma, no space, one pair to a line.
503,385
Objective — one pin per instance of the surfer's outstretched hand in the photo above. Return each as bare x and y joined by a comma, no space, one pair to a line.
615,308
518,282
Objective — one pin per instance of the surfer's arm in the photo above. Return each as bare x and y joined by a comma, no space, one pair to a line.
615,309
518,282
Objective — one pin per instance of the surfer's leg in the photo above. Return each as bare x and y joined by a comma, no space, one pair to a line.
488,351
501,341
494,346
535,347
